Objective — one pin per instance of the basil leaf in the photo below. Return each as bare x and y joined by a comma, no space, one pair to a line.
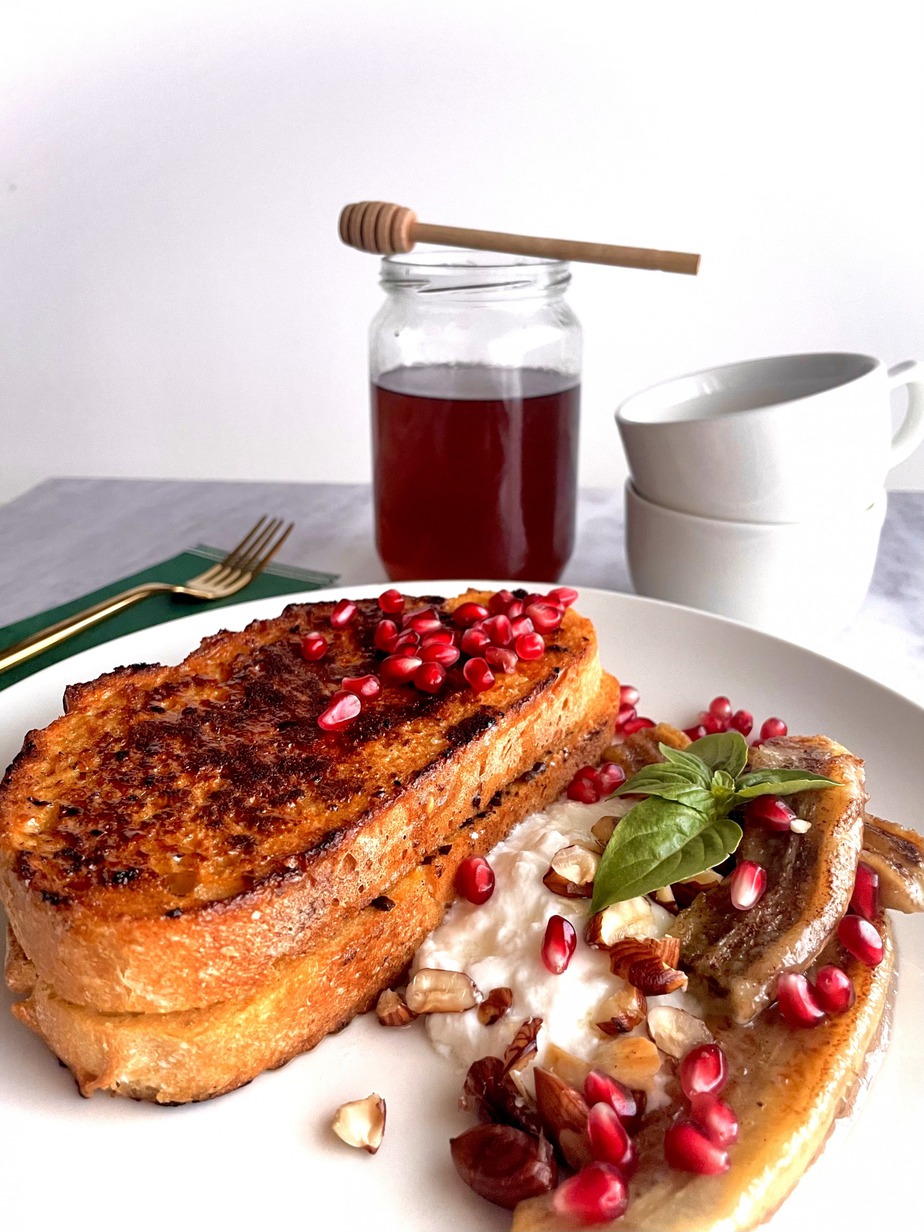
723,781
697,771
667,783
659,842
779,783
726,751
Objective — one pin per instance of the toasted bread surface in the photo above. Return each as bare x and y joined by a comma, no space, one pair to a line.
194,1054
179,829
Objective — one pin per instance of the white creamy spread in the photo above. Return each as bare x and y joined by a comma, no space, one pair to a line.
499,944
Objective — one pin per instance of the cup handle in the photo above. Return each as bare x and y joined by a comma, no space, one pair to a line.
911,430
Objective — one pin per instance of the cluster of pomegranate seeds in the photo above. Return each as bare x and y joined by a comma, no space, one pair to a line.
803,1004
558,944
475,880
697,1143
592,783
721,717
628,720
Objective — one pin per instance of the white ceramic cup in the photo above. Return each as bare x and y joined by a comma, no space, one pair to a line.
772,440
798,580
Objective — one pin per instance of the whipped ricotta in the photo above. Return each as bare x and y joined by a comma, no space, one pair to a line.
499,943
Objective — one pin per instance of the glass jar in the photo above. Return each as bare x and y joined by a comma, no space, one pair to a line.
475,363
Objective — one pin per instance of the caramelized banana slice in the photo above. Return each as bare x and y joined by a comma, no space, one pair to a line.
897,855
787,1086
735,956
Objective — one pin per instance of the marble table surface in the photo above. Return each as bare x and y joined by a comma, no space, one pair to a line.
66,537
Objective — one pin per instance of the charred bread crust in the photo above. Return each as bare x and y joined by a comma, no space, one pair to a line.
188,1055
179,829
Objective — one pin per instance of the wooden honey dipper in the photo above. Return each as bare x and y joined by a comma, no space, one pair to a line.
378,226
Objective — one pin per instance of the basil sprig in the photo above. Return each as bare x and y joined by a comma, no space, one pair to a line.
683,826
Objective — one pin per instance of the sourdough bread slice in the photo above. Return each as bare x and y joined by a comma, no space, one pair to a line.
194,1054
180,829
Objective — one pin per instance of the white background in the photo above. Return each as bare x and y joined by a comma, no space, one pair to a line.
173,297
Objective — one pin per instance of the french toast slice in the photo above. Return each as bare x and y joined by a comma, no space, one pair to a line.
181,829
186,1055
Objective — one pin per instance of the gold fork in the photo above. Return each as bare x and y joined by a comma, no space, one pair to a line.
226,577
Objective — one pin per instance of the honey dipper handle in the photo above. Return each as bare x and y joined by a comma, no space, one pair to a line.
378,226
561,250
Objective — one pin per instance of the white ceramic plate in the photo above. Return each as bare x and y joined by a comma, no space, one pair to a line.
265,1154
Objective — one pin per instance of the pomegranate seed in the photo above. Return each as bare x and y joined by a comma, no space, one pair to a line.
444,637
747,885
695,733
474,641
530,646
439,652
861,939
834,990
562,596
478,674
703,1071
520,625
399,668
601,1088
363,686
596,1194
559,944
408,640
546,617
865,899
407,617
637,724
515,612
391,602
609,1140
430,677
343,613
343,709
586,786
467,614
611,776
721,707
708,720
797,1002
475,879
425,622
628,695
314,647
716,1117
498,630
688,1149
626,713
501,657
500,601
771,812
772,727
742,721
385,635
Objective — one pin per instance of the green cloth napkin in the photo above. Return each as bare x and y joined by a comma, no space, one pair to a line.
276,579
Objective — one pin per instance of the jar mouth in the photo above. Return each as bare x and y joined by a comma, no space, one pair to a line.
433,271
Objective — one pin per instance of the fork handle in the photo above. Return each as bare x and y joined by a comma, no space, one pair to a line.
57,633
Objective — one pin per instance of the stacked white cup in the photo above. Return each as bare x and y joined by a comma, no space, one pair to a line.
757,490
